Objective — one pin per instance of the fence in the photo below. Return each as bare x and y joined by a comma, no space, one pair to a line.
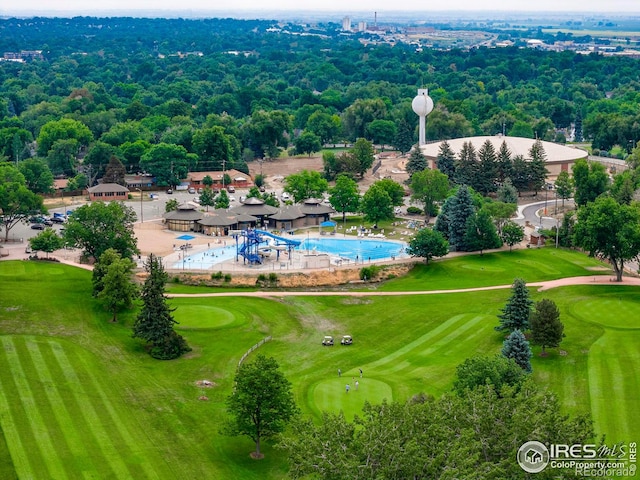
260,343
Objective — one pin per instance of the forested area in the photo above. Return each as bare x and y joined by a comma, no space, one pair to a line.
204,92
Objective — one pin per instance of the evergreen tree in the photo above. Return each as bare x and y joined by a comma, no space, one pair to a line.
442,221
516,313
114,172
461,209
546,327
517,347
481,233
537,171
485,181
466,165
578,128
504,163
507,193
417,162
520,174
405,137
445,161
155,322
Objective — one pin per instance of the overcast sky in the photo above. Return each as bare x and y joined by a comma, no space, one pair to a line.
608,6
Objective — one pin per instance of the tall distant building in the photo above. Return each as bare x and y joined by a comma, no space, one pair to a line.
346,24
362,26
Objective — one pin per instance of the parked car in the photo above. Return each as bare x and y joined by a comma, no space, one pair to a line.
346,340
169,191
199,190
37,226
261,188
285,196
231,189
28,249
192,190
327,341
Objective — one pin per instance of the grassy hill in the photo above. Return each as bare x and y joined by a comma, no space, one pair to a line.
79,398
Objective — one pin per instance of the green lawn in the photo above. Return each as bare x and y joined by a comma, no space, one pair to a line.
79,398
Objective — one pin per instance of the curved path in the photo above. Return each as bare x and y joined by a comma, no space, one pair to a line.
562,282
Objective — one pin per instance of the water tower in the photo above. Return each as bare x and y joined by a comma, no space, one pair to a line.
422,104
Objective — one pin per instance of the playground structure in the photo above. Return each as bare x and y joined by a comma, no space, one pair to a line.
257,244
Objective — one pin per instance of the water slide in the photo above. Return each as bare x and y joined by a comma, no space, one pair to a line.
284,240
250,248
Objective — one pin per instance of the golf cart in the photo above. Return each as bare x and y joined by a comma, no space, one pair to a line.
327,341
346,340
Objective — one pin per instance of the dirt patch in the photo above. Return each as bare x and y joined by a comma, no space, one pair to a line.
319,278
206,384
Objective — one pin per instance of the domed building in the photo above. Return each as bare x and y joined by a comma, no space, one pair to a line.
559,157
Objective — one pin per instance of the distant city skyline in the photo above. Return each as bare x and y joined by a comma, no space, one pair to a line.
45,7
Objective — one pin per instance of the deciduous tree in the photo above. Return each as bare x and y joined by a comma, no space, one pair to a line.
512,234
610,231
478,371
117,290
377,204
304,185
46,241
17,202
428,243
344,196
262,403
429,187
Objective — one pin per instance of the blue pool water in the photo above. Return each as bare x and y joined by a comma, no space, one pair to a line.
360,250
355,249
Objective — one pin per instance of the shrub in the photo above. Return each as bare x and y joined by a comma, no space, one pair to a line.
414,211
369,273
227,277
273,278
216,276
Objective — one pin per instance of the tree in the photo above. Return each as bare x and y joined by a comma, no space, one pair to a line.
376,204
475,435
504,163
222,200
609,230
64,129
46,241
445,161
361,113
590,180
507,193
382,132
517,348
417,162
515,314
37,175
428,243
214,148
512,234
478,371
262,403
324,125
466,166
100,269
117,290
481,233
500,212
405,137
17,202
96,161
207,198
61,158
114,172
306,184
537,166
564,186
96,227
394,189
363,154
429,187
171,205
344,196
487,169
459,209
307,143
168,163
154,324
546,328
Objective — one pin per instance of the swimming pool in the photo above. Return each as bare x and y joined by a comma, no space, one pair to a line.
355,249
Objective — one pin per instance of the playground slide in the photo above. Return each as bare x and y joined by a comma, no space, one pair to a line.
285,240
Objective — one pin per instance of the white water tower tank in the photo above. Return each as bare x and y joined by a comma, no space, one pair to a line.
422,105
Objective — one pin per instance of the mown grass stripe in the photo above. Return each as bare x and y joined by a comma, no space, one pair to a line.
445,341
21,459
75,431
443,327
44,443
110,418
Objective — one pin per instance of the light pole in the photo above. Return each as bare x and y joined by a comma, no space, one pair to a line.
141,214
